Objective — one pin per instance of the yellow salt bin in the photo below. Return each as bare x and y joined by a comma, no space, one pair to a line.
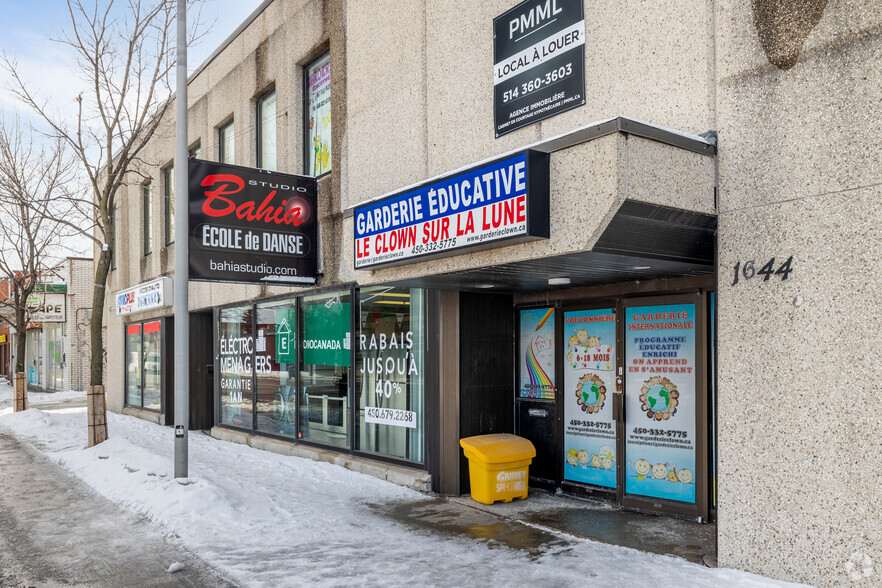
498,466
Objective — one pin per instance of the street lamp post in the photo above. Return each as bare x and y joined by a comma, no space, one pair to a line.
182,250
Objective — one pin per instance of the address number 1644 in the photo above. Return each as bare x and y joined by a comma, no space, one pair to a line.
748,270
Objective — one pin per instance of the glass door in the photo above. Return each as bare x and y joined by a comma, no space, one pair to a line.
35,370
664,445
589,383
55,356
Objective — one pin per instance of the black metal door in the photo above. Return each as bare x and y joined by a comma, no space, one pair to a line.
536,420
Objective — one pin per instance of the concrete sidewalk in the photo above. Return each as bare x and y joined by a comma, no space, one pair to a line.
53,532
541,523
544,522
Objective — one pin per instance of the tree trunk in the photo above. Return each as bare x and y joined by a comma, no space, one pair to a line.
20,379
97,415
97,407
21,393
96,325
21,330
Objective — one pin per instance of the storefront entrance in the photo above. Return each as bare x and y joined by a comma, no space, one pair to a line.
614,395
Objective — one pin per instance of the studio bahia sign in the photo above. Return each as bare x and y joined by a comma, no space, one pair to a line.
251,226
502,202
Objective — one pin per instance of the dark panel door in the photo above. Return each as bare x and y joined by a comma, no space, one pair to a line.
536,421
201,371
485,361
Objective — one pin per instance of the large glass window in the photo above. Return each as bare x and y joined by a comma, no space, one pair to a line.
276,367
55,355
286,368
35,370
324,378
144,364
390,372
266,132
168,193
133,365
152,346
226,143
236,346
148,218
318,116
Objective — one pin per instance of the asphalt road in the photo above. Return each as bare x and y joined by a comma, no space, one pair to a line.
56,531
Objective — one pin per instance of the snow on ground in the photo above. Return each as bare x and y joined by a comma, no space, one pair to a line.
271,520
7,395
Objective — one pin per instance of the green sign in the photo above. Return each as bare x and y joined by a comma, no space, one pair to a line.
286,335
326,334
51,288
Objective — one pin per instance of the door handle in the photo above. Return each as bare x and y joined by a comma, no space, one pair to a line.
617,400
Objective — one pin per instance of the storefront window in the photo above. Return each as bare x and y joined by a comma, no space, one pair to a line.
133,365
389,372
276,367
35,369
144,364
324,379
55,341
286,369
236,345
152,347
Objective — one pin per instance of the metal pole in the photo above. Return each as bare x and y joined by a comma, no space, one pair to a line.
182,255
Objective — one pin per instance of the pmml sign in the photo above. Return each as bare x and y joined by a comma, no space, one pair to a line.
538,62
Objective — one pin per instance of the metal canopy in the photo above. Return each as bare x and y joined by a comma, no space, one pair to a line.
642,242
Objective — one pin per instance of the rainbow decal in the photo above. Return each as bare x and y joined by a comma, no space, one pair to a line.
540,383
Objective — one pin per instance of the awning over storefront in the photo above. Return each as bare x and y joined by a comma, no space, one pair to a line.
641,242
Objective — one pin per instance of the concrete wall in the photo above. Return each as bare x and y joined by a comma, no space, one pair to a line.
800,175
420,85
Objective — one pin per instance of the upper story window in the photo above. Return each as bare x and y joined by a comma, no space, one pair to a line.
317,115
266,132
168,195
196,151
226,143
148,218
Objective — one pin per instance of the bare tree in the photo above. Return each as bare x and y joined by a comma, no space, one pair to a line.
34,175
126,55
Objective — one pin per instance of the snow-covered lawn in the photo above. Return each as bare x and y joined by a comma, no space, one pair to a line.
271,520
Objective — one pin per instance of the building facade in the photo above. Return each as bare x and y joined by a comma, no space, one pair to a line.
57,348
636,238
